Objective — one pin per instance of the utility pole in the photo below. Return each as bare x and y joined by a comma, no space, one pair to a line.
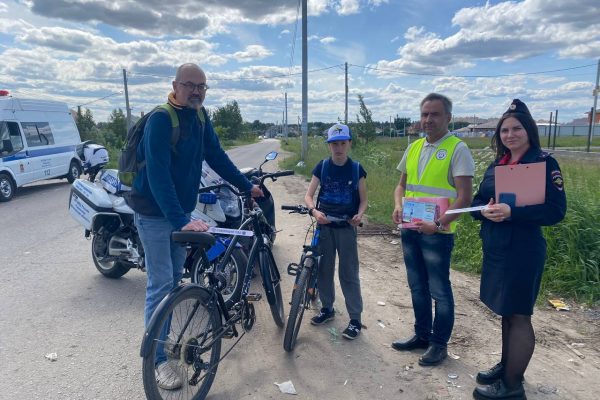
346,90
589,141
127,99
304,82
285,134
549,130
596,89
555,129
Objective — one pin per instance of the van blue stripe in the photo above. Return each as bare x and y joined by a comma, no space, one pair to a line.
39,153
17,156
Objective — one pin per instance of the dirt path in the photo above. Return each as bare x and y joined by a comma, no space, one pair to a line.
326,366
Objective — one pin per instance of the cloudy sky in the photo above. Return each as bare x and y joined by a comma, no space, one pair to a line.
481,54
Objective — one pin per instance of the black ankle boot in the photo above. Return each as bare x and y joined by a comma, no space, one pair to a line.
491,375
499,391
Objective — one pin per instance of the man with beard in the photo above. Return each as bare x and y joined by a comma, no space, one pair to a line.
165,190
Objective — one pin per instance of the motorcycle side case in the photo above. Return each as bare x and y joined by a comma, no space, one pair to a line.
88,199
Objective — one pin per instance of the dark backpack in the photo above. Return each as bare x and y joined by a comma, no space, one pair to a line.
355,179
128,163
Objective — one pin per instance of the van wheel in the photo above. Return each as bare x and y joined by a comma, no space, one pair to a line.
74,171
7,187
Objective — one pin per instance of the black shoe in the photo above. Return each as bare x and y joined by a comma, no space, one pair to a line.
434,355
323,316
491,375
499,391
353,330
414,342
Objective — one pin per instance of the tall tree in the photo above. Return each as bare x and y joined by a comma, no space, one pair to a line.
86,125
365,126
229,117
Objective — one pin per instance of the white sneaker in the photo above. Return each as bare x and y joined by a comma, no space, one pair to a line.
168,376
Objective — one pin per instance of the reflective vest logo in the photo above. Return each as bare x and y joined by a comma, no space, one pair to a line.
441,154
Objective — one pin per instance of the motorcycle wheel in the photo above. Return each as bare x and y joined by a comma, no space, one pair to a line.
232,275
107,265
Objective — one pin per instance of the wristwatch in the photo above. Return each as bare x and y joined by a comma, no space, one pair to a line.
310,211
438,224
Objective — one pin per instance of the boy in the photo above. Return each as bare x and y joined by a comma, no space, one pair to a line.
343,199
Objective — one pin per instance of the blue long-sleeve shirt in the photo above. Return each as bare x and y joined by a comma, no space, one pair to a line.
168,184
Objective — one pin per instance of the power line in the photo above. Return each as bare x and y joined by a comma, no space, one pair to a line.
471,76
101,98
294,39
247,78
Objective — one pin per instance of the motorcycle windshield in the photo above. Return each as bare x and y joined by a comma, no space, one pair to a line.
230,203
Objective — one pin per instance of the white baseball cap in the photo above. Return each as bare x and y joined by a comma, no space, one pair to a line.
338,132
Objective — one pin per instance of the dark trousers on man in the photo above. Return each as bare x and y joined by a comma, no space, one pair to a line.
427,260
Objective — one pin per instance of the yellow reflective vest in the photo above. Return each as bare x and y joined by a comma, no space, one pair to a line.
434,179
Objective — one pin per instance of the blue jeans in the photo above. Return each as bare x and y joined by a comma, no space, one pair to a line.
164,264
427,260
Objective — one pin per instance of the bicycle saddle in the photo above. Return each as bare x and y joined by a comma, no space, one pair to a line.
203,239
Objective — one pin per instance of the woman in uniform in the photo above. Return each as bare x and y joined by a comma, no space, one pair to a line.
514,250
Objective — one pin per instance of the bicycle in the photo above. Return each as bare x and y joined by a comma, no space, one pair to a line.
190,322
306,271
305,285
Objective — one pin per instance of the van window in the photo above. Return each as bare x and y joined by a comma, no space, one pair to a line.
37,133
64,132
10,138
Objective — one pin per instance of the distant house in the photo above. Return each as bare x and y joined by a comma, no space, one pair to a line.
589,116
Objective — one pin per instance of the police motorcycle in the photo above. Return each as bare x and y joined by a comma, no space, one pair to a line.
99,206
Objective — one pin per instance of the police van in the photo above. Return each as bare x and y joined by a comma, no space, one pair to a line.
38,140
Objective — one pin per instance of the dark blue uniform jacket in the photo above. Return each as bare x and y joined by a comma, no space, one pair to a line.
514,251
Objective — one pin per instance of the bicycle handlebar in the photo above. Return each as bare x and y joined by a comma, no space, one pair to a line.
272,175
300,209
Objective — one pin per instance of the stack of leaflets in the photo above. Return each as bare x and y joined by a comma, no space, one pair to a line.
422,209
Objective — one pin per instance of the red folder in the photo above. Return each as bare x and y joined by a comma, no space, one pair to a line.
526,181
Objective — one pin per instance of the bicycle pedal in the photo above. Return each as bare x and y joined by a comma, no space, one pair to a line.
251,297
229,334
292,269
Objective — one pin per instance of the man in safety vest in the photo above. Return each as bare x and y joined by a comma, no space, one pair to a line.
437,169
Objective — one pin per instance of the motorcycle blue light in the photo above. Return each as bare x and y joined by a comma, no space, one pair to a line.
208,198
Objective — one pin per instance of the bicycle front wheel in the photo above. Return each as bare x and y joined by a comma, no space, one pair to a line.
184,337
299,301
272,285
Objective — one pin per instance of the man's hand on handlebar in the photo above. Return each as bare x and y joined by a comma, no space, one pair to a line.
256,191
196,225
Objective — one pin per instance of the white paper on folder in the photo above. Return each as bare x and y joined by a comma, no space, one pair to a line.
464,210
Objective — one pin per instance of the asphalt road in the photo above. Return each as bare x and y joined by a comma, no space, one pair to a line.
52,300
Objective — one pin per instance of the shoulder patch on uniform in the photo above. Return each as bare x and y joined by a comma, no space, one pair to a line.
557,179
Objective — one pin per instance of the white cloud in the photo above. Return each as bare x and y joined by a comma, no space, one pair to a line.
507,31
348,7
328,40
252,53
377,3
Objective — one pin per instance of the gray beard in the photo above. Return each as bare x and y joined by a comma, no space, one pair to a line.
195,103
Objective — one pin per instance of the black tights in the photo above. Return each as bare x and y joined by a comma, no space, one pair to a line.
518,342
